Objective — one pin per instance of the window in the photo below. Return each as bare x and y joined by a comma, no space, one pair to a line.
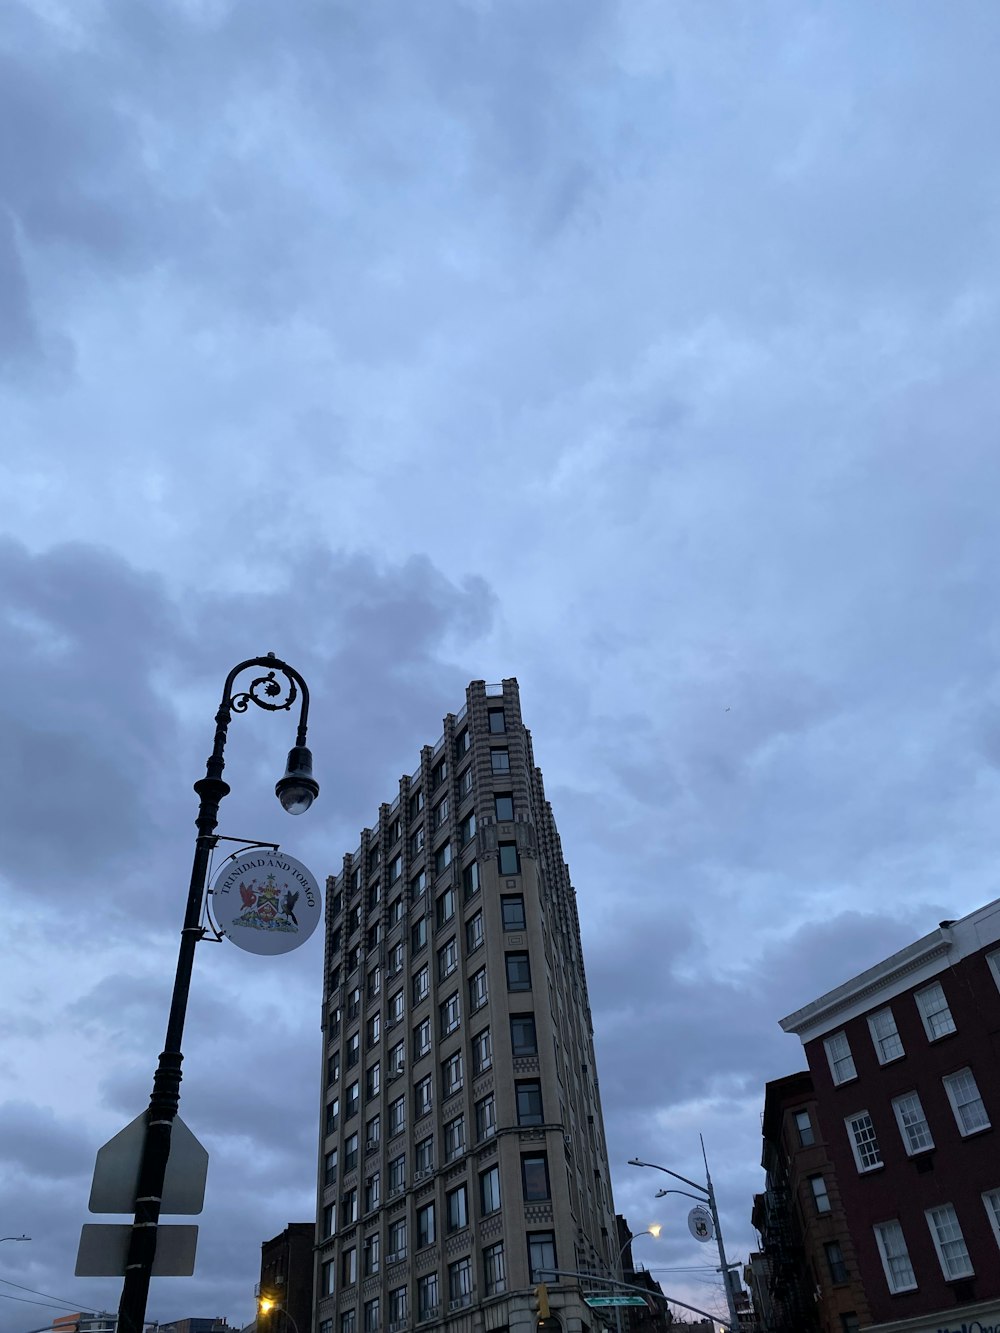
934,1011
332,1114
465,782
396,910
326,1325
497,721
478,993
449,1014
423,1097
509,862
470,880
421,1038
949,1241
494,1272
885,1036
486,1118
512,909
336,1016
395,869
418,884
819,1192
373,1192
423,1155
353,1050
454,1138
529,1103
352,1100
460,1283
375,976
371,1315
328,1278
348,1321
374,1030
416,803
864,1143
474,932
467,828
397,1183
328,1222
330,1167
395,1008
991,1202
482,1051
440,815
373,1132
535,1177
373,1081
418,935
835,1261
425,1225
451,1074
397,1116
354,1004
397,1238
462,742
849,1322
333,1067
397,1059
421,985
398,1305
438,773
499,761
371,1259
503,807
446,907
447,959
427,1296
912,1123
541,1254
349,1210
489,1190
838,1052
524,1041
351,1152
970,1113
994,961
457,1208
353,960
518,971
392,835
374,857
804,1125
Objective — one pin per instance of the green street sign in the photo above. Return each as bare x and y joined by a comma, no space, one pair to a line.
602,1302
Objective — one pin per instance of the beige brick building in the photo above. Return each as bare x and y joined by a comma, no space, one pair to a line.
462,1146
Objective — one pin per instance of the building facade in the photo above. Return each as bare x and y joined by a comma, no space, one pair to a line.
285,1293
462,1150
905,1060
806,1273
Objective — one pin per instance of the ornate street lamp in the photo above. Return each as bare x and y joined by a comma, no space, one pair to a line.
275,691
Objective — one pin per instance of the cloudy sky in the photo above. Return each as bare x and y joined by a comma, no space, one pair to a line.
645,351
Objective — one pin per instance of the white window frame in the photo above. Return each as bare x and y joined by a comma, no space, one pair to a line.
898,1110
956,1106
896,1231
929,1010
889,1038
835,1060
991,1202
820,1196
855,1146
949,1275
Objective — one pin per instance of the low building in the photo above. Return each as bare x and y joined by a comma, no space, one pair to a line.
806,1274
905,1063
286,1280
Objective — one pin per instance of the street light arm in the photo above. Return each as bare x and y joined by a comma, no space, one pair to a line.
634,1161
660,1193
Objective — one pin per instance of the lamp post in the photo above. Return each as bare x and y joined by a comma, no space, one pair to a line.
653,1231
296,790
265,1305
3,1238
707,1193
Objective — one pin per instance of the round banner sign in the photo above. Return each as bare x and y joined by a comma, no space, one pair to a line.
700,1223
266,902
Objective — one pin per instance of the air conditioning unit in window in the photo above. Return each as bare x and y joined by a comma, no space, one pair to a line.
459,1302
371,1145
421,1175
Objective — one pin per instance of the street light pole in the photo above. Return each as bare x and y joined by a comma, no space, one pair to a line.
296,790
707,1192
653,1231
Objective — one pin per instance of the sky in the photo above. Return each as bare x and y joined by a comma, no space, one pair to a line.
645,352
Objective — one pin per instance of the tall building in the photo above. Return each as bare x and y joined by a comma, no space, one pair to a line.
462,1151
904,1062
805,1275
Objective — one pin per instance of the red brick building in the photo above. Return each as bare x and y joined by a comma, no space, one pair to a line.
905,1061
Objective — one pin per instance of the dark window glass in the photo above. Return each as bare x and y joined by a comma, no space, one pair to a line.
498,723
522,1034
509,862
512,908
499,761
535,1176
835,1260
503,805
518,971
529,1103
541,1254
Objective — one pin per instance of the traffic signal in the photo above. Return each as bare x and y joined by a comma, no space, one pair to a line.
545,1320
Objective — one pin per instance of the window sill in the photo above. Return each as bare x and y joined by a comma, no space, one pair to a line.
972,1133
